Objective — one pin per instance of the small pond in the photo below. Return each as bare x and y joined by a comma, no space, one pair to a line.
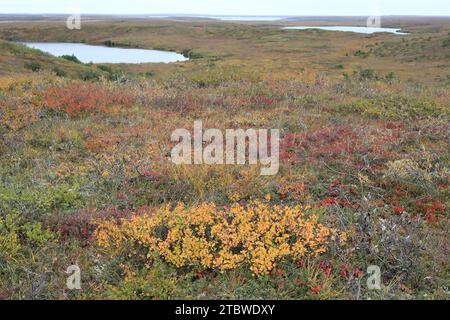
101,54
365,30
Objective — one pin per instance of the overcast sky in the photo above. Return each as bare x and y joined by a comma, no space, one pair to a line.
230,7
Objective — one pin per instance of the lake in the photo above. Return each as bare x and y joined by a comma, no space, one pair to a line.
365,30
247,18
101,54
221,17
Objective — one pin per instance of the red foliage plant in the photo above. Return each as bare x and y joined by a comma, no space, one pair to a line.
323,144
80,98
342,143
81,224
431,208
262,101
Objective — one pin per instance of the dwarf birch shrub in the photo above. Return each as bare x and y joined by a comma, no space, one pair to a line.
257,236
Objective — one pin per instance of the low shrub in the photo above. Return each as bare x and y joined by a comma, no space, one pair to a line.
59,72
89,76
16,234
348,145
206,237
76,99
41,201
362,54
424,172
17,112
397,108
188,53
365,75
71,58
33,66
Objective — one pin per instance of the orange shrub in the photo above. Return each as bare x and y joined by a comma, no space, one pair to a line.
79,98
18,112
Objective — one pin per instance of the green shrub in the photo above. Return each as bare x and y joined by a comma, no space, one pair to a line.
188,53
89,75
34,233
113,75
396,108
390,77
42,200
365,75
15,233
105,68
109,43
361,54
9,237
33,66
141,285
59,72
71,58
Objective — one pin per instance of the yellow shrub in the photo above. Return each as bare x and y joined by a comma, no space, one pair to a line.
9,238
258,235
5,82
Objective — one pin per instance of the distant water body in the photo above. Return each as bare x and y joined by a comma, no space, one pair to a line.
101,54
365,30
234,18
248,18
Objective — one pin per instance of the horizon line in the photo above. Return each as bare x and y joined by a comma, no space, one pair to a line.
227,15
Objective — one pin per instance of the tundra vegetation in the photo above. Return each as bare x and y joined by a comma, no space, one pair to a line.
86,178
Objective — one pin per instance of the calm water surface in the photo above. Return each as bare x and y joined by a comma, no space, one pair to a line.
248,18
365,30
100,54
